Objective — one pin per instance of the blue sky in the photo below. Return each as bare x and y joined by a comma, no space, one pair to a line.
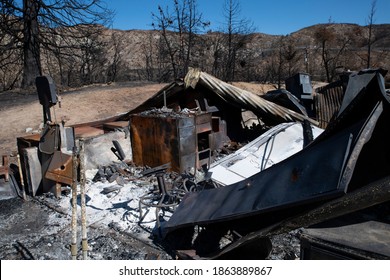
277,17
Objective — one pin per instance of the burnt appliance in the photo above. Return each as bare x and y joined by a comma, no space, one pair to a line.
186,139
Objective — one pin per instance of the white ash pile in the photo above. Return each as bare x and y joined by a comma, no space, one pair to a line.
113,195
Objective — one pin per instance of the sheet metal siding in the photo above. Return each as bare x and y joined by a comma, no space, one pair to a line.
328,102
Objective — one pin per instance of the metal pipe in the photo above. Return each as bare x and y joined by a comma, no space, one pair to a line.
73,247
84,242
21,178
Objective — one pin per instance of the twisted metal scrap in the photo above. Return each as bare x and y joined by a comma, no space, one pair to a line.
245,99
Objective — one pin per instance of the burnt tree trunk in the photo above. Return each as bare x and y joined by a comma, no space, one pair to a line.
31,50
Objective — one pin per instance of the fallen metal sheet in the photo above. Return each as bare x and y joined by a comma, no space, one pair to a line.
349,155
357,86
287,183
273,146
373,194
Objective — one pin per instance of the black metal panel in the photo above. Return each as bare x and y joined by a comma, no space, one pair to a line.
47,95
46,90
299,84
309,175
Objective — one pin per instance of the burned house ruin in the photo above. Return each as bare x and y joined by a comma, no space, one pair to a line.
336,166
301,162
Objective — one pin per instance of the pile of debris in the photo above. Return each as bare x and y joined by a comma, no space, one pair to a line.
170,184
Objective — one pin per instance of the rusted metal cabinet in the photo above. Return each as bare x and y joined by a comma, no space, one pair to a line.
157,139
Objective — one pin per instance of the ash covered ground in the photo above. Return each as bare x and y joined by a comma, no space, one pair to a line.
40,228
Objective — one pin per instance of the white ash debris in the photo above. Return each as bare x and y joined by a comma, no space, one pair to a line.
113,199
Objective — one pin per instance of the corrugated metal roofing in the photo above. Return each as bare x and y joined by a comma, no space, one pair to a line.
227,93
240,97
328,102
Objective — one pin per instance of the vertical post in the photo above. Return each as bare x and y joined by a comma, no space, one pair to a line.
57,190
84,242
21,178
73,247
5,166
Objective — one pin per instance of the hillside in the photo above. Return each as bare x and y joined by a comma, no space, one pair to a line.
135,41
260,52
143,55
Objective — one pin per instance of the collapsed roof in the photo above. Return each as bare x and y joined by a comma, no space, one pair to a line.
223,99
